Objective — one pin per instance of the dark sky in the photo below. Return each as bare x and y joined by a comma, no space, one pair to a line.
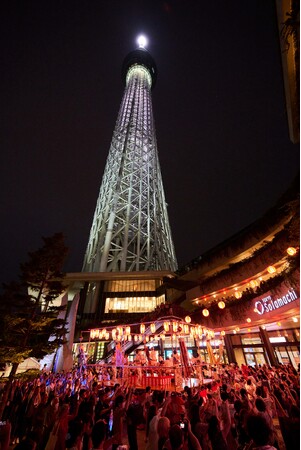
219,110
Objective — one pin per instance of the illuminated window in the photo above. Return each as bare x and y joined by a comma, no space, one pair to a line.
132,304
132,285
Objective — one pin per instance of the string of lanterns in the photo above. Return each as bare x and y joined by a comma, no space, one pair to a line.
291,251
174,328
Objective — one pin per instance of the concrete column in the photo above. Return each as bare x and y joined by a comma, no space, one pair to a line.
268,347
229,349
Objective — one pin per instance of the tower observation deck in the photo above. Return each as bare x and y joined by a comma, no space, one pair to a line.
130,229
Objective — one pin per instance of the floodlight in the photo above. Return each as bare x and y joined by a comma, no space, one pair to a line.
142,41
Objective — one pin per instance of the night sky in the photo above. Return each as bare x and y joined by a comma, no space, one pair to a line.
219,110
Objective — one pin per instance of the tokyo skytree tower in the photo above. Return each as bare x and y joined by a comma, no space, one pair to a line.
130,229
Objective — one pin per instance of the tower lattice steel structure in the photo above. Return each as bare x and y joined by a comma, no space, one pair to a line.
130,229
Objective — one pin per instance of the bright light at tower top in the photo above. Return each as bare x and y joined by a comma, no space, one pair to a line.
142,41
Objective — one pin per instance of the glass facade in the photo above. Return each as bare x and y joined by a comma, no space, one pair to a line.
249,348
132,304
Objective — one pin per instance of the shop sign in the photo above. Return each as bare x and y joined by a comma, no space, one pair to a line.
268,304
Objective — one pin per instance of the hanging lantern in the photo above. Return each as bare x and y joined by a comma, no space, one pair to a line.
153,328
114,333
295,319
142,328
162,336
253,284
221,304
238,294
157,337
166,326
129,337
146,338
104,332
135,338
107,336
271,269
186,329
127,330
237,329
187,319
119,337
120,331
174,327
223,333
192,331
249,320
140,337
92,334
291,251
205,312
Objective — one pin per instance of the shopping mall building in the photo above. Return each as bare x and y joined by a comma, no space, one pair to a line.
246,289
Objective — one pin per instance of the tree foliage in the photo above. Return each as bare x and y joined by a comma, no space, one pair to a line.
31,323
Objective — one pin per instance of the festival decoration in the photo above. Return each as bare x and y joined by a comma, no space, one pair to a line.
271,269
205,312
166,326
291,251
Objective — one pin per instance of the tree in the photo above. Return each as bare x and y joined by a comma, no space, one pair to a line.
30,322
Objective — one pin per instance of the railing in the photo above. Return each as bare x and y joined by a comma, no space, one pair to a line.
156,376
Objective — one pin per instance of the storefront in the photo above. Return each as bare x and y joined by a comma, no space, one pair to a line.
250,349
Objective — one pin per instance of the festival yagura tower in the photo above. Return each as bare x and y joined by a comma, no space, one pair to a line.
130,229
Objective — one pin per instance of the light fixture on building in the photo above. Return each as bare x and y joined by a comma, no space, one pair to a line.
205,312
237,329
142,328
249,330
291,251
263,327
279,324
166,326
295,319
238,294
249,320
187,319
271,269
223,333
127,330
153,327
253,284
221,304
234,331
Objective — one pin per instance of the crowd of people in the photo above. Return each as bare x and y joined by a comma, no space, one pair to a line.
235,409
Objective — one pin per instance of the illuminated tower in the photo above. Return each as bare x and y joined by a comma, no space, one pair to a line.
130,229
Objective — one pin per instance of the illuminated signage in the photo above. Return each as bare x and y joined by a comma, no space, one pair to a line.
268,304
